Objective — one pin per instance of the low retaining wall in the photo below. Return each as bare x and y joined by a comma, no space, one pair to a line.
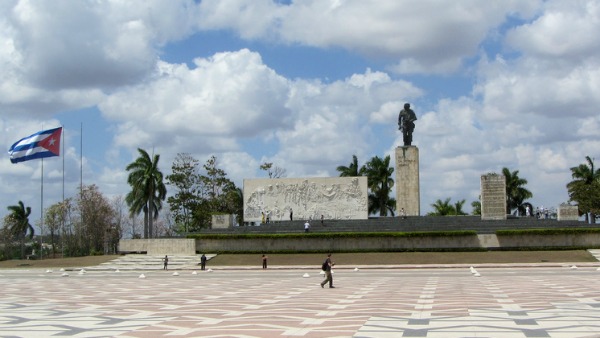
311,244
348,244
166,246
587,240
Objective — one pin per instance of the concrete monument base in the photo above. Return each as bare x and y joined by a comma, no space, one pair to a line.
407,181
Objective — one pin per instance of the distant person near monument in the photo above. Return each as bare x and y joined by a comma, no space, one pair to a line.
406,123
203,262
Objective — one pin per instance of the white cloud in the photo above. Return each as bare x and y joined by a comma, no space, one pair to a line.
565,30
227,96
424,36
62,55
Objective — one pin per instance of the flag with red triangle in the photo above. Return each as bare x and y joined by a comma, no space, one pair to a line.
45,143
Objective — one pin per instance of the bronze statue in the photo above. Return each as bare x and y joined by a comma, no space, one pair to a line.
406,123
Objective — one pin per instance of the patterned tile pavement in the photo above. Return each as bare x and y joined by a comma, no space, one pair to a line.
541,301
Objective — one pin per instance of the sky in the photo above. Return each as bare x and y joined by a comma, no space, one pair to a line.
303,84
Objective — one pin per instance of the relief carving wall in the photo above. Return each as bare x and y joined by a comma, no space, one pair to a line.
309,198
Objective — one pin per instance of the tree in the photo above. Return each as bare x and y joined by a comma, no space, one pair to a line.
54,219
476,205
234,201
442,208
119,221
516,194
148,190
273,172
186,179
218,195
445,208
7,239
380,183
20,226
352,169
585,188
97,232
458,211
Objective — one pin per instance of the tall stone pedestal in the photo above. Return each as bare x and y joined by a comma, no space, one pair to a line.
407,181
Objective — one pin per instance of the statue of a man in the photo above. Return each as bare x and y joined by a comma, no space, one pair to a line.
406,123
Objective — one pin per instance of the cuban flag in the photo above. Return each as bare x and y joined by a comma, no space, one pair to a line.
45,143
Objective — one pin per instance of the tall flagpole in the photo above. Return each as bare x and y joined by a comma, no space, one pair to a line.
42,210
63,163
81,171
81,161
42,213
62,209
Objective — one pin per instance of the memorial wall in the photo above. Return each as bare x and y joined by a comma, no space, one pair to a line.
307,198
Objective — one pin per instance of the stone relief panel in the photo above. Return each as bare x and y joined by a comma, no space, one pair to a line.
308,198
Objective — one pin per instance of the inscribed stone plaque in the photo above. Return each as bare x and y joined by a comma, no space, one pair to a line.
309,198
568,212
493,197
222,221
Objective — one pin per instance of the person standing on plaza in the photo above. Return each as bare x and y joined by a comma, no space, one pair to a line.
165,263
264,261
203,262
306,226
327,265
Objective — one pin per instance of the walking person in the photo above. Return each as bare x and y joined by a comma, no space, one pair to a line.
264,261
165,262
327,265
306,226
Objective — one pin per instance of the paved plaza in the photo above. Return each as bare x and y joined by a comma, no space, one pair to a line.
541,301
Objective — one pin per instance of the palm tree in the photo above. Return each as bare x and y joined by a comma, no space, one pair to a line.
352,169
442,208
476,205
20,225
380,183
148,190
458,211
516,194
584,177
585,172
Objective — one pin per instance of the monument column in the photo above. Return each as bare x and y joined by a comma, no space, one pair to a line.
407,181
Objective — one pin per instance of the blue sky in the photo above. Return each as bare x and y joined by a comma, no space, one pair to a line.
303,84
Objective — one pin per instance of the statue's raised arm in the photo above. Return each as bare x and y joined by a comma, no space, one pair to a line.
406,123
